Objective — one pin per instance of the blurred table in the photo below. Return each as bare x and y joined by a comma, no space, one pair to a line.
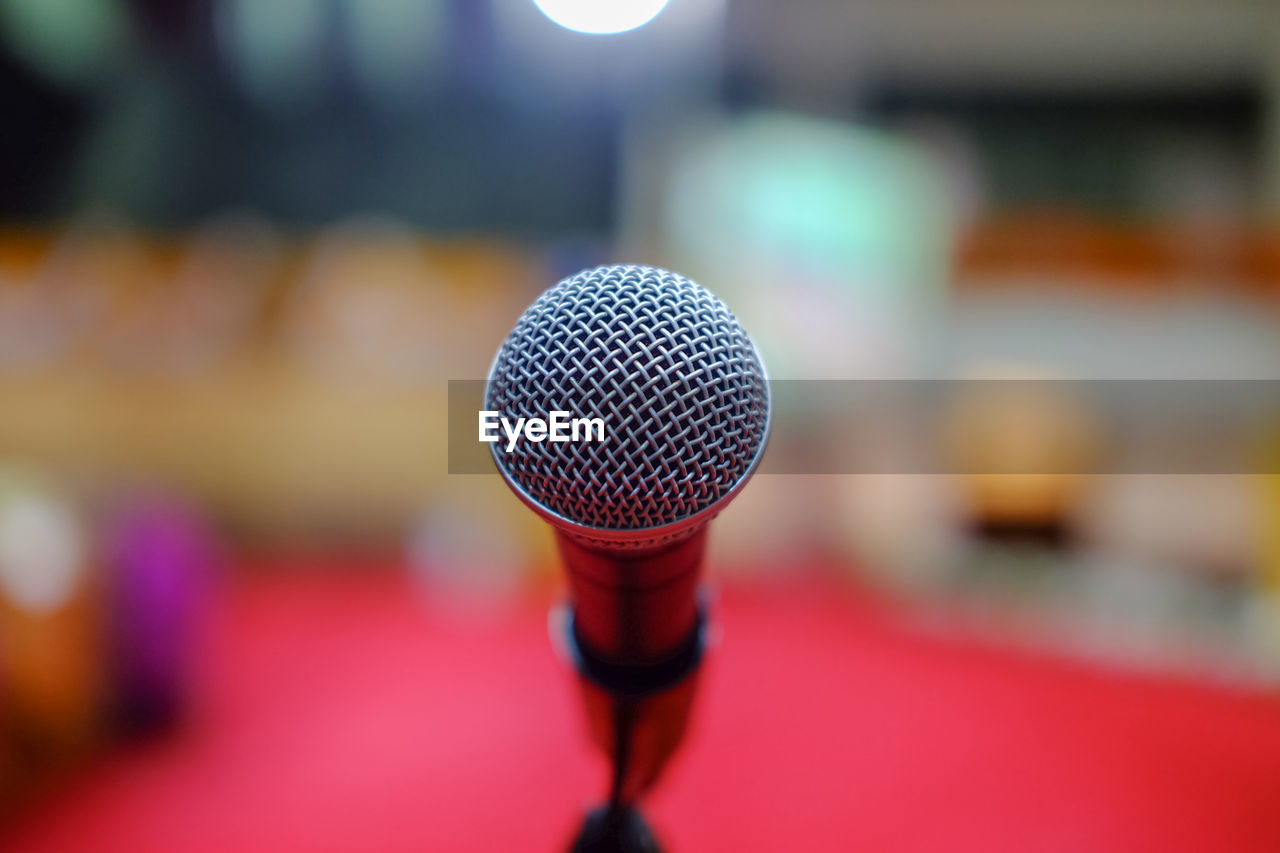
347,711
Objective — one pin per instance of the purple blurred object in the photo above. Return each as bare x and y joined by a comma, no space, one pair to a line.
160,557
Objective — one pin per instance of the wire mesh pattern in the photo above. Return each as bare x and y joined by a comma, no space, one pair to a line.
670,370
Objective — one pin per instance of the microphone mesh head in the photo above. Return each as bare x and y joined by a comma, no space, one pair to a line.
680,387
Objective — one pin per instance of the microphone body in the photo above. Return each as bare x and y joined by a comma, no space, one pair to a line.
634,607
684,398
637,634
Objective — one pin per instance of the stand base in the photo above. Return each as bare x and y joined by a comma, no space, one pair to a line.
617,829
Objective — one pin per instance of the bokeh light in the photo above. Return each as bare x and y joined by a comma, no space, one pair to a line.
589,16
70,40
276,50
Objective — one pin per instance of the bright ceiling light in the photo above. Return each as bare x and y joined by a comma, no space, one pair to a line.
601,16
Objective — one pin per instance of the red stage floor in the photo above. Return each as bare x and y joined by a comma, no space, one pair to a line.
343,714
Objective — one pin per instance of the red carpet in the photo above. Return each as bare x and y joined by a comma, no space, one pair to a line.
342,714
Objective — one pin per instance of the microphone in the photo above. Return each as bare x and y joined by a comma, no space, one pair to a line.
683,407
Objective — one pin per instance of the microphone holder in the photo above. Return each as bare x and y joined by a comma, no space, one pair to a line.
637,714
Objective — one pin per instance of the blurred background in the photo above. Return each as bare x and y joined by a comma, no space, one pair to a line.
245,245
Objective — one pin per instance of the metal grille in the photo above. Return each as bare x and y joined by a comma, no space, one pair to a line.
669,369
